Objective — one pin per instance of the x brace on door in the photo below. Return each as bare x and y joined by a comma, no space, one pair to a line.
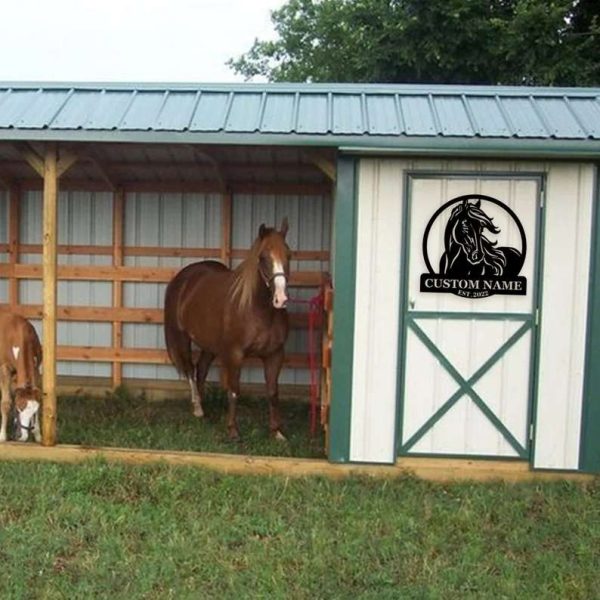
466,385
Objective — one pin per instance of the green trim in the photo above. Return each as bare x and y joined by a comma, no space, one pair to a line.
466,387
363,144
344,269
589,452
468,316
537,341
403,308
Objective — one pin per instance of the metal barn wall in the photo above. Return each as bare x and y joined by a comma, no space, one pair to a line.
84,218
380,222
565,268
187,220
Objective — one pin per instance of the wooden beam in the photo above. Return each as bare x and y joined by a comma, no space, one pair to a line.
431,469
134,274
152,356
226,223
106,314
171,251
65,162
13,243
117,299
326,165
200,187
49,264
32,158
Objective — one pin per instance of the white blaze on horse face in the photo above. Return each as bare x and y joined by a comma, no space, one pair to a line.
279,285
25,417
16,350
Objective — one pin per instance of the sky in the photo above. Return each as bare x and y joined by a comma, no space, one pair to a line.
129,40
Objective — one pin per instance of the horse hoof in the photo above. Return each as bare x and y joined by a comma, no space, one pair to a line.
198,412
234,435
279,436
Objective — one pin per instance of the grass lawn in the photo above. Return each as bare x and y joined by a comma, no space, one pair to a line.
128,421
99,530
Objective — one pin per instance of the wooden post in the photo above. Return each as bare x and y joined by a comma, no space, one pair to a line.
13,243
49,256
117,302
226,211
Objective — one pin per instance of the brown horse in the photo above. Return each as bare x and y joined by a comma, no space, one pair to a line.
20,358
232,315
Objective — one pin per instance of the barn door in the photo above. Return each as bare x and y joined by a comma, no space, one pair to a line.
469,316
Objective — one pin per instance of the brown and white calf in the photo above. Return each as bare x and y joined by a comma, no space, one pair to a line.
20,359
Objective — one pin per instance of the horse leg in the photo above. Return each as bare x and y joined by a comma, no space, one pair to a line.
272,367
233,391
197,382
5,402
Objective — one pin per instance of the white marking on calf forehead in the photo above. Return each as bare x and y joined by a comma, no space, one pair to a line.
15,351
31,409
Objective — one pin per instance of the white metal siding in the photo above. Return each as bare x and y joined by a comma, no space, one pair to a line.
380,206
565,271
569,201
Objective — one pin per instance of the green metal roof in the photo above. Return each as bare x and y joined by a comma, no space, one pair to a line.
385,117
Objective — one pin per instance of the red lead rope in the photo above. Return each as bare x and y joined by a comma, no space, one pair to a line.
315,313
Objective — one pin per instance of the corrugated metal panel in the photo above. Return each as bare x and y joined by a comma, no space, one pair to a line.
564,315
352,111
380,222
382,114
176,111
211,112
279,114
487,116
525,120
418,116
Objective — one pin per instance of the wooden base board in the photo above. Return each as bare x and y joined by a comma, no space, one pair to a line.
433,469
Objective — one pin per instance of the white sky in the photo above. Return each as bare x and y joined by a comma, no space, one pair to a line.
129,40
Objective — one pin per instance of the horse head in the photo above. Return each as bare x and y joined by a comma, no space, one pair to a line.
466,225
27,403
274,262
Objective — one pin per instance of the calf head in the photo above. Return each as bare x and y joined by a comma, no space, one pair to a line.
27,403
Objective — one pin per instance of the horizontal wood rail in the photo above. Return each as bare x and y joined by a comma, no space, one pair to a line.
150,356
159,251
108,314
131,274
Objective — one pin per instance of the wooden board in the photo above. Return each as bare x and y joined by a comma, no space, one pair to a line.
441,470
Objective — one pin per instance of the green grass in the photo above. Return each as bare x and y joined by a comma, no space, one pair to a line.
124,420
112,531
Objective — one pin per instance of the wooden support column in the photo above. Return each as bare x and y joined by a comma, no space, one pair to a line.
49,259
226,212
14,199
117,326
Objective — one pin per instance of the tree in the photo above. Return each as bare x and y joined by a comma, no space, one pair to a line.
521,42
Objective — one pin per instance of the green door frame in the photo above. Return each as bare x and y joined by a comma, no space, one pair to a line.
589,454
529,323
344,282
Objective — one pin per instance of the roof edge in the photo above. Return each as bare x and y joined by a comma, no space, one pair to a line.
307,88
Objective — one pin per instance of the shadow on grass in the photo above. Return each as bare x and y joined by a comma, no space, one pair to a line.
123,420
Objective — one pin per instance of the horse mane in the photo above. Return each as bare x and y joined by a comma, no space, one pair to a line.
492,256
245,280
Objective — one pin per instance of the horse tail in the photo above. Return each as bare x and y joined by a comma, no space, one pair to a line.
178,342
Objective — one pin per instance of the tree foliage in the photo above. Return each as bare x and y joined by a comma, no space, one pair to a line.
521,42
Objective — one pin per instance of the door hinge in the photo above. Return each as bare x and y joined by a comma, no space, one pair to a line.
537,317
531,429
